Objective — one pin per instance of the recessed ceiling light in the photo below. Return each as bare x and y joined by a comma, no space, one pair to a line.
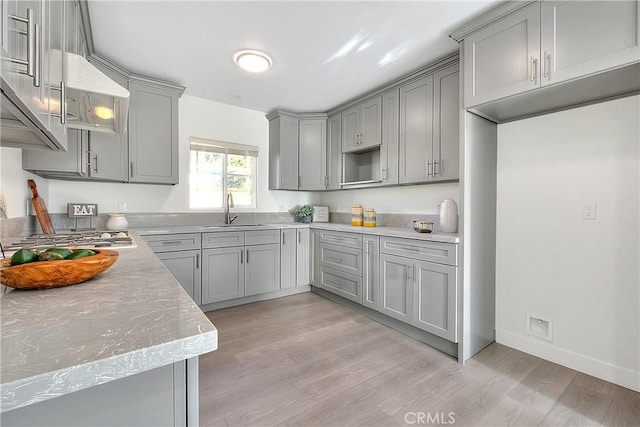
253,61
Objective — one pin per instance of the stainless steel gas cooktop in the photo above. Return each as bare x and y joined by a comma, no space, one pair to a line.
75,239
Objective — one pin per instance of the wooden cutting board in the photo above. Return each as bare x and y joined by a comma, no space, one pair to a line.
41,209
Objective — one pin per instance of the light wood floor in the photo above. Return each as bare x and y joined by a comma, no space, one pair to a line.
306,361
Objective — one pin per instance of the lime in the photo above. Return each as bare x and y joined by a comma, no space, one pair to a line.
50,256
23,256
80,253
64,252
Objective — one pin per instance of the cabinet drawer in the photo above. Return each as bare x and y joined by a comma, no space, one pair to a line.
351,240
442,253
223,239
173,242
341,258
340,283
261,237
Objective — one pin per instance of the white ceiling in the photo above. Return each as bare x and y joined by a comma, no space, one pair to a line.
324,52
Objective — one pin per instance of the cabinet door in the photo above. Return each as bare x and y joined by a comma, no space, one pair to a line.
370,272
262,269
446,124
503,59
583,37
302,256
153,134
287,258
416,131
390,137
351,129
312,154
185,267
434,297
314,255
222,274
52,68
71,163
371,123
396,287
334,152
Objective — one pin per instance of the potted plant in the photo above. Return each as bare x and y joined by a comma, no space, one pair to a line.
305,213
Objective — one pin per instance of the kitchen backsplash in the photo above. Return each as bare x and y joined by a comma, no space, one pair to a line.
22,226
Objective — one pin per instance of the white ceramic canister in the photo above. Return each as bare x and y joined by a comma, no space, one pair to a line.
117,222
448,216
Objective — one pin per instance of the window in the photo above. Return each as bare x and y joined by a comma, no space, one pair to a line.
218,168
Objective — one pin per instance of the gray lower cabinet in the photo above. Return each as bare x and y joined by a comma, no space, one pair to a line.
340,264
180,254
222,274
346,285
303,246
153,132
288,258
416,290
185,267
371,271
232,271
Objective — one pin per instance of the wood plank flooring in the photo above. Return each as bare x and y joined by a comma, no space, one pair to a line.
306,361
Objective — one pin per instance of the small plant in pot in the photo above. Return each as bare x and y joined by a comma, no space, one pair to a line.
305,213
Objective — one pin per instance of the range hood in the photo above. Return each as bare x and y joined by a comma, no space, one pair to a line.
94,101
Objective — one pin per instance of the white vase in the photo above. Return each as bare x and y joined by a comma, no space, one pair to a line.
448,216
117,222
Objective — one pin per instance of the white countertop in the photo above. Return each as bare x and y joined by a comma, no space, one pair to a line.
132,318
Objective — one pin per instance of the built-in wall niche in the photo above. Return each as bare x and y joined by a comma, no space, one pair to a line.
361,167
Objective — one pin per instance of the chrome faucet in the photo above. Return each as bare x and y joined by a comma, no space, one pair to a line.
228,219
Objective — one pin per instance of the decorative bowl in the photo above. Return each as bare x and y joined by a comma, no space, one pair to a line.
56,274
423,226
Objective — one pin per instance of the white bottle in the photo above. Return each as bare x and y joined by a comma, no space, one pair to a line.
117,222
448,216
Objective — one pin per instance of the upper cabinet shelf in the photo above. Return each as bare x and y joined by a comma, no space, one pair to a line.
550,55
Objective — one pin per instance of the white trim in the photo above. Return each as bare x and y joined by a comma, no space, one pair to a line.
598,368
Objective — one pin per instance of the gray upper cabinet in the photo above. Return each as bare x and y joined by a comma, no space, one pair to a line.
312,154
503,59
591,46
32,74
416,131
361,125
584,37
60,164
153,133
390,137
334,151
283,151
446,124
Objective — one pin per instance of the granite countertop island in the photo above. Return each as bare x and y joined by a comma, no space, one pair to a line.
132,318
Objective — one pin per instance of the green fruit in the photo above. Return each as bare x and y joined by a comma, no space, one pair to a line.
23,256
64,252
50,256
80,253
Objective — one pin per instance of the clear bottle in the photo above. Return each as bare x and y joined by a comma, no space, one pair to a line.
356,215
369,218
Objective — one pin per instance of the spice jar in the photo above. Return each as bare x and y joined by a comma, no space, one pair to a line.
369,218
356,215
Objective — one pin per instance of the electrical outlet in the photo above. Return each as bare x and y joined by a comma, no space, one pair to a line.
589,210
122,206
539,327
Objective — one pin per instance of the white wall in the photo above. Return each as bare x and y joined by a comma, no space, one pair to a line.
200,118
13,182
583,275
414,199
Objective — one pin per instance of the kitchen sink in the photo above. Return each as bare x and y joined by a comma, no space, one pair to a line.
232,225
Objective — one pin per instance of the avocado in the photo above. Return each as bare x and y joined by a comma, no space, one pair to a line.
64,252
50,256
24,256
80,253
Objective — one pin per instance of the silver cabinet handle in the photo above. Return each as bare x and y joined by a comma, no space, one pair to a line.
247,256
37,57
95,164
299,238
131,169
409,273
384,174
534,69
171,242
435,168
336,258
547,65
428,168
197,261
63,103
283,237
241,257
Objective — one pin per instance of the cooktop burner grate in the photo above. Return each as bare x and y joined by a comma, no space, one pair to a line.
85,239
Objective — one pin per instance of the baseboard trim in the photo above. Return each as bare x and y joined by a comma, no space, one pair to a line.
588,365
431,340
255,298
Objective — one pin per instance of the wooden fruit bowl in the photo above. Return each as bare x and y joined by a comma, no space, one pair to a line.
56,274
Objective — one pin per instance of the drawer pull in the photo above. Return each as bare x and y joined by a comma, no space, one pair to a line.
172,242
335,258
